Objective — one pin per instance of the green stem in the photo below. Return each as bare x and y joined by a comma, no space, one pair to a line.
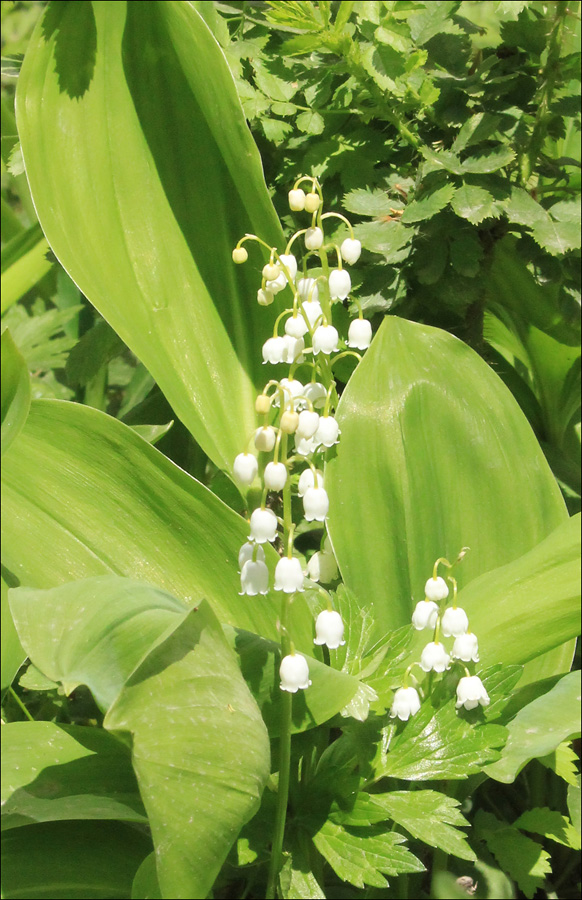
20,703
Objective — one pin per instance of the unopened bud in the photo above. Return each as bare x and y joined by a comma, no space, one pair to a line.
239,255
312,202
297,200
271,271
262,404
289,422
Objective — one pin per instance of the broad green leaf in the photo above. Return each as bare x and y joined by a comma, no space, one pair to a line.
391,239
12,652
68,860
120,620
15,391
165,178
531,605
551,824
474,203
429,816
521,857
259,660
448,460
201,760
428,205
24,263
364,855
52,772
145,884
125,509
539,727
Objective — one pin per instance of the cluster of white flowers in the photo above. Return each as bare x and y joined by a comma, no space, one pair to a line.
450,622
299,410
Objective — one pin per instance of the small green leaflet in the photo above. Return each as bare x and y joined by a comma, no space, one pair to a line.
474,203
368,203
428,205
361,855
521,857
551,824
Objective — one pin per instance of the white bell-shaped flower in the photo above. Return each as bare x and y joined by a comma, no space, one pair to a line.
454,622
274,350
466,647
289,575
436,589
434,657
277,284
245,468
296,326
263,526
350,250
360,334
305,446
308,423
471,692
246,552
297,200
340,284
329,629
307,290
322,567
307,480
254,578
316,393
325,339
328,431
425,614
265,297
316,504
292,389
290,263
265,438
294,347
275,476
314,238
406,703
294,673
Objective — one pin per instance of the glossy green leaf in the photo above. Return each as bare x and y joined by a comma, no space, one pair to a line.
164,179
145,884
24,263
531,605
539,727
68,860
447,460
125,509
52,772
12,652
15,391
428,204
201,758
473,203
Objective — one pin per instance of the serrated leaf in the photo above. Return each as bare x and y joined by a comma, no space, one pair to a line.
539,727
430,816
522,209
474,203
441,160
556,237
41,338
429,204
440,744
566,211
283,109
361,855
551,824
390,239
275,130
296,880
368,203
574,794
310,122
489,161
564,762
523,859
435,19
477,128
271,85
